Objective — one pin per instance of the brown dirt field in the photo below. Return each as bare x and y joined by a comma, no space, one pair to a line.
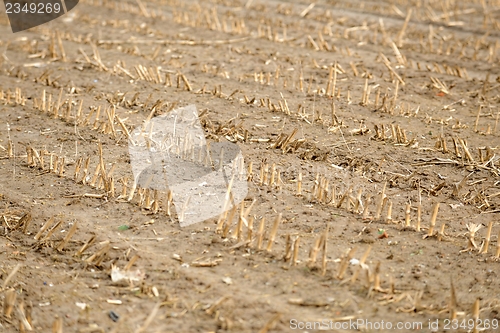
375,103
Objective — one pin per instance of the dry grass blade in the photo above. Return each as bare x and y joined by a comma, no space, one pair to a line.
212,308
149,319
10,276
270,323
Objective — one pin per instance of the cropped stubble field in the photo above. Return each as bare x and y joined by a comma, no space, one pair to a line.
370,134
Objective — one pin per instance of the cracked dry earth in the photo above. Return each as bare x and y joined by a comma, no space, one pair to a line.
384,113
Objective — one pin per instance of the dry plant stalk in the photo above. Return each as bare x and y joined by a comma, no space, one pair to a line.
452,306
266,173
55,165
329,82
132,191
61,168
288,248
361,264
250,231
98,256
376,278
380,203
23,321
364,98
407,215
345,263
296,245
419,216
227,223
95,176
238,234
249,171
274,231
186,83
78,166
85,170
29,157
44,227
366,212
9,302
58,105
57,326
334,84
497,254
66,239
475,315
433,220
313,253
24,222
270,323
43,100
10,151
358,203
466,150
260,234
484,250
299,185
131,262
325,248
86,245
169,202
403,28
149,319
273,174
389,212
441,232
477,118
156,203
472,228
10,276
228,199
51,231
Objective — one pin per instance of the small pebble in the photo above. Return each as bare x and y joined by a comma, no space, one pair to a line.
114,316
